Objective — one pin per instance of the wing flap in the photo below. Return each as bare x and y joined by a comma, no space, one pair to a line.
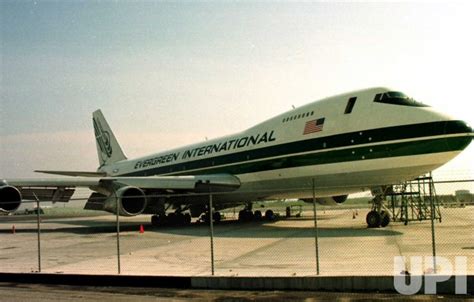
73,173
59,194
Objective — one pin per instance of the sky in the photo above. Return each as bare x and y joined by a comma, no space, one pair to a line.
166,74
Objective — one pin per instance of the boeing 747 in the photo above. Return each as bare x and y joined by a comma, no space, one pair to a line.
357,141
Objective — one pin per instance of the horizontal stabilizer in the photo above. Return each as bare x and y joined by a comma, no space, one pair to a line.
74,173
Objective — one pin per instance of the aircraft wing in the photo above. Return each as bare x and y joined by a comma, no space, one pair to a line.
54,182
61,189
190,182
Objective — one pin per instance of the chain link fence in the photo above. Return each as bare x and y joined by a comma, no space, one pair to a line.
303,239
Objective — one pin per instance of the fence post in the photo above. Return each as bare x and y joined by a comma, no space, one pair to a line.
211,227
118,232
316,246
433,242
38,223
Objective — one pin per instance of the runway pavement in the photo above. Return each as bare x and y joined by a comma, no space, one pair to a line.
88,245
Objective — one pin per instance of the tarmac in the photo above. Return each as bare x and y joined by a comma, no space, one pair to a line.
286,247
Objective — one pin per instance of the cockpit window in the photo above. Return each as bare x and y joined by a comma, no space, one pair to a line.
397,98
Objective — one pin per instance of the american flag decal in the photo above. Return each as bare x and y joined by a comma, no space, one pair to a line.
313,126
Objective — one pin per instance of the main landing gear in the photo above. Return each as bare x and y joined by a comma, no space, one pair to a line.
247,215
171,219
216,217
379,216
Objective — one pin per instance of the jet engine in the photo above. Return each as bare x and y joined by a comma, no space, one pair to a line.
10,198
132,201
328,201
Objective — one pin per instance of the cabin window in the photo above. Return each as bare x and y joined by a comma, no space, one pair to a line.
350,105
298,116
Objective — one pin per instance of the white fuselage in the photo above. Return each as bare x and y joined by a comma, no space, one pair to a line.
375,144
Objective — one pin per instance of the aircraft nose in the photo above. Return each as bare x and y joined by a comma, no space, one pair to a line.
468,129
463,132
458,127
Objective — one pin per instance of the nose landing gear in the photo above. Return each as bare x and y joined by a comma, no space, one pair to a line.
379,216
376,219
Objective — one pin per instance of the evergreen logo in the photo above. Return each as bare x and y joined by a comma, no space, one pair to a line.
103,139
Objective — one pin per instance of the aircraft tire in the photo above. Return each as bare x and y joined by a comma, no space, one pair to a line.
172,219
373,219
245,216
179,219
257,215
241,215
156,220
216,216
269,215
205,217
384,219
187,219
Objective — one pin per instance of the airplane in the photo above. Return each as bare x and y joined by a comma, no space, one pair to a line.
353,142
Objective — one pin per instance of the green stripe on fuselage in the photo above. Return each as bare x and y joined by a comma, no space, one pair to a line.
238,163
347,155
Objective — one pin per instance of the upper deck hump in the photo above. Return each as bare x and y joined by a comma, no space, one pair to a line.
320,105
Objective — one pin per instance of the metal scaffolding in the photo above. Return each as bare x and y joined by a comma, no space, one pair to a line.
414,200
